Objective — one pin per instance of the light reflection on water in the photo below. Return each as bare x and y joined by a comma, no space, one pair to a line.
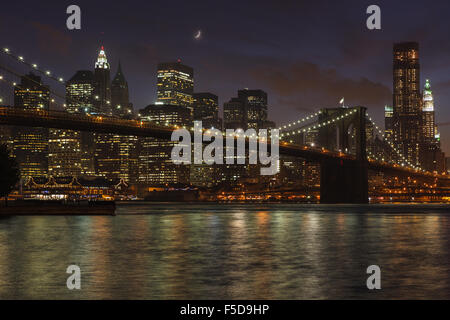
204,251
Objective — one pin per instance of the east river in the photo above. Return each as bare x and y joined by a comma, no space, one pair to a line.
230,251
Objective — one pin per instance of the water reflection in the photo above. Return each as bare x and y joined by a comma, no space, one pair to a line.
229,252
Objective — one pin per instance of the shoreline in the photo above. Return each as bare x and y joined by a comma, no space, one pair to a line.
35,208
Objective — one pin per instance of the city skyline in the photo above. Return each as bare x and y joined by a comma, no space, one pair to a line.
244,58
249,109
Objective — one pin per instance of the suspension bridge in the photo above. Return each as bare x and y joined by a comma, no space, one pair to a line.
340,142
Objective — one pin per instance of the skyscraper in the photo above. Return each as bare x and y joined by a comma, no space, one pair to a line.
31,144
64,153
127,148
71,152
428,118
431,157
102,84
406,100
388,122
248,110
255,104
107,162
206,109
155,165
175,84
79,93
120,100
234,114
79,99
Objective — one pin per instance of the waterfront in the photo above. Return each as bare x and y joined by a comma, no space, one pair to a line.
230,251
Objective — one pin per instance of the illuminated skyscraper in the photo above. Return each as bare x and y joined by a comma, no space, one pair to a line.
31,144
388,122
431,156
247,111
155,165
255,104
428,118
79,93
175,84
107,161
406,100
64,153
234,114
79,97
206,109
102,85
128,145
71,152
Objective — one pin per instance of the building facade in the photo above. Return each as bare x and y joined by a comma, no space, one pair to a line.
127,145
120,100
155,165
431,156
406,101
206,109
79,99
175,84
30,145
107,160
102,85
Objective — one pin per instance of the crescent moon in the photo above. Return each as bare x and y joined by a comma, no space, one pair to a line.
198,35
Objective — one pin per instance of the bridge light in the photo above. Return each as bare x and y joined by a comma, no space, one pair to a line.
21,58
47,73
6,49
35,65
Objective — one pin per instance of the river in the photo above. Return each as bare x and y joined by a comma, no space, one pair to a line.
230,251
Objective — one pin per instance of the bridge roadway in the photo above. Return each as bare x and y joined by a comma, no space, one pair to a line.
94,123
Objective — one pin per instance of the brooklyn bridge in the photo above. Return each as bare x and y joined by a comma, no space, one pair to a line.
343,177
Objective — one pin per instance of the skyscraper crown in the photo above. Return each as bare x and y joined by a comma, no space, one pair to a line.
102,61
427,85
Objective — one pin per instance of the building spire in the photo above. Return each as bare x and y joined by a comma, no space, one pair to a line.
102,61
119,78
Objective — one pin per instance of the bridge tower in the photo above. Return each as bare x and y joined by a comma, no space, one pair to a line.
344,180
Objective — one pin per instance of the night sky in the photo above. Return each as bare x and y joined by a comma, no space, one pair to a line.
305,54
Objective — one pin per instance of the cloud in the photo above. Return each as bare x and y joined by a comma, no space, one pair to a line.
51,40
304,84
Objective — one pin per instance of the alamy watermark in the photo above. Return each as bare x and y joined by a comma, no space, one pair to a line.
374,281
74,20
216,151
74,280
374,20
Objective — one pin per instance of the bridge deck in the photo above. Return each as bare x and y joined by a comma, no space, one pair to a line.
93,123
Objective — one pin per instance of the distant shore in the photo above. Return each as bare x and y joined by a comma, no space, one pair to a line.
55,208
